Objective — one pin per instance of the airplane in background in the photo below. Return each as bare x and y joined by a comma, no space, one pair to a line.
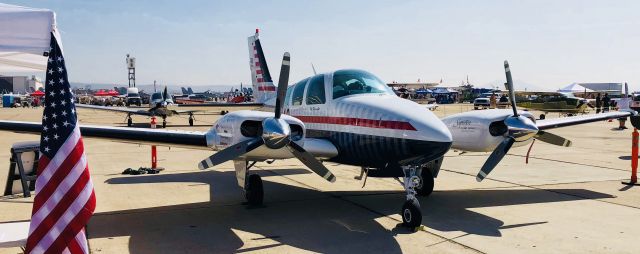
563,103
349,117
161,105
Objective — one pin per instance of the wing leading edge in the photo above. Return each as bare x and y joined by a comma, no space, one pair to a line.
575,120
193,140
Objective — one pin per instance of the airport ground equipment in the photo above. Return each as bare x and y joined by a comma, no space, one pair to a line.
23,167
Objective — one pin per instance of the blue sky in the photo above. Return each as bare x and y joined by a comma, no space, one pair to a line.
548,43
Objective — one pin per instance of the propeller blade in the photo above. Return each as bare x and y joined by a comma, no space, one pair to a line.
495,158
230,153
552,139
311,162
164,94
283,82
509,85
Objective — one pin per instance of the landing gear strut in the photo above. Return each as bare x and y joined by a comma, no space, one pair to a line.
164,121
411,213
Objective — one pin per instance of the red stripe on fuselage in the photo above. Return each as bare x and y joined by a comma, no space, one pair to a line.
370,123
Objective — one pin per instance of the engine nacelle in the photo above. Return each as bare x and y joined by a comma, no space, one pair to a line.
481,131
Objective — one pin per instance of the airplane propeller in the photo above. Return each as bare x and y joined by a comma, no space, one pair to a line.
165,95
276,134
519,128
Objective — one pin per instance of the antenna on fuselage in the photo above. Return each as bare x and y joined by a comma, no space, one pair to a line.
314,69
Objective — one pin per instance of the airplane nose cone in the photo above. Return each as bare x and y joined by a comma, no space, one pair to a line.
430,128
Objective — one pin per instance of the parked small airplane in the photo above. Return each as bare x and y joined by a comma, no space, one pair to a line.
348,117
563,103
161,105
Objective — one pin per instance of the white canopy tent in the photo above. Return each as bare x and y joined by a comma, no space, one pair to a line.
575,88
25,37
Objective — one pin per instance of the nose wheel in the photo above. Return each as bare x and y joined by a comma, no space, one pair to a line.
191,119
411,213
164,122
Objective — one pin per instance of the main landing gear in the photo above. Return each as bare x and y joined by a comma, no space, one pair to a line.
411,213
251,183
253,191
164,121
129,120
191,119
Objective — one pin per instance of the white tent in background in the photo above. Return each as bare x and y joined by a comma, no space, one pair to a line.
25,37
575,88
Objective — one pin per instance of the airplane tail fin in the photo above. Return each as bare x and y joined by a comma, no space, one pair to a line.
184,91
263,88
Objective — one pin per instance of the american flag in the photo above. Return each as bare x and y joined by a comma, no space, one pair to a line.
64,199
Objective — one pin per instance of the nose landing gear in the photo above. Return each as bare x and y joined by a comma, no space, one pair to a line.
411,213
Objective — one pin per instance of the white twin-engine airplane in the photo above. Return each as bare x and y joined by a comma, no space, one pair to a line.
348,117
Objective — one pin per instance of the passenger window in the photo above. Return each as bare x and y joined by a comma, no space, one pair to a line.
298,93
315,92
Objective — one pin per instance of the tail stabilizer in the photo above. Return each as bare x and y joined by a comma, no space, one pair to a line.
263,88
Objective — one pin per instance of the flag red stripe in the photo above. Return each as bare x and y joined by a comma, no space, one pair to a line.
58,176
58,211
74,226
42,163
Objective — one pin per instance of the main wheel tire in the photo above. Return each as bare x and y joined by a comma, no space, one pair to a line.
190,121
542,116
411,215
129,122
426,183
254,192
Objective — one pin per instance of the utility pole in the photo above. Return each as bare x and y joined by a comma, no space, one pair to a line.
131,67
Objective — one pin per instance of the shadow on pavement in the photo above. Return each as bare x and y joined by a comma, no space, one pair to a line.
326,222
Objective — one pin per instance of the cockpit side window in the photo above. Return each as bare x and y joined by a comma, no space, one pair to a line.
315,92
349,82
298,93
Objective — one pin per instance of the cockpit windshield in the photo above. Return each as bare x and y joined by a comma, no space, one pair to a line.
349,82
156,96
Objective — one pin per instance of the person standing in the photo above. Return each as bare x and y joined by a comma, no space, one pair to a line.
606,102
598,104
493,101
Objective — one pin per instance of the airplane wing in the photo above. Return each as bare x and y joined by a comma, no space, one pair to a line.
133,111
222,104
574,120
161,137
